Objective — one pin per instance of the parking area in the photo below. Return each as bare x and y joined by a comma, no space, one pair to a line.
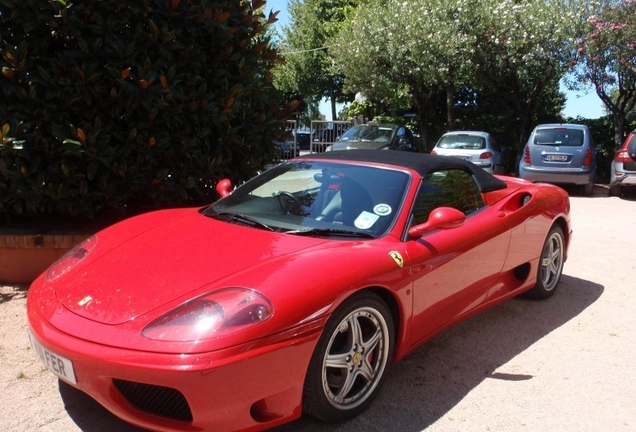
565,364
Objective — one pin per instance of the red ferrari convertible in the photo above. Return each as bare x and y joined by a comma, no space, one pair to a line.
293,293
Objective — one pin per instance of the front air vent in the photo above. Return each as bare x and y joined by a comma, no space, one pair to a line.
163,401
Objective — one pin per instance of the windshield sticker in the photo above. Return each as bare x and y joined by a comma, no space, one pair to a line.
365,220
382,210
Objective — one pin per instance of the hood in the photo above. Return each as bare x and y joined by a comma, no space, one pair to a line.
149,267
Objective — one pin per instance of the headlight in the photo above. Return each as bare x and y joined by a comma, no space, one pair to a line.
70,259
210,316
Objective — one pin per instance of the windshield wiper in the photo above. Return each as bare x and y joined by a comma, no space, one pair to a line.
326,232
239,218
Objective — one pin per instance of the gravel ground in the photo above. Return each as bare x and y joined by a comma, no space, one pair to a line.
565,364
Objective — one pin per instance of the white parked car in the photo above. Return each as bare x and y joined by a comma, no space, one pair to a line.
477,147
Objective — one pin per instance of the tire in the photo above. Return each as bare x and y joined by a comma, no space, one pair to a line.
588,189
351,359
615,190
550,265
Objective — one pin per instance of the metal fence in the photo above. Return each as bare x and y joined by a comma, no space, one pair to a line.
325,132
289,148
321,134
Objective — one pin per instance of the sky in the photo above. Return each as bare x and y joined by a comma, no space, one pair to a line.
587,105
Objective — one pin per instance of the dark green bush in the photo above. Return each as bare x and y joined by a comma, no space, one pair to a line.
122,104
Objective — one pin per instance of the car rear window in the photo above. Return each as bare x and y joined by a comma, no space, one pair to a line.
464,142
559,137
631,147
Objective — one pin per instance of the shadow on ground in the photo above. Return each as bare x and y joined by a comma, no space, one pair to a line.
601,191
436,377
428,383
88,415
8,293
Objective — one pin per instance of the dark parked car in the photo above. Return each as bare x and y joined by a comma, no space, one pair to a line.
562,154
376,136
623,170
284,149
303,140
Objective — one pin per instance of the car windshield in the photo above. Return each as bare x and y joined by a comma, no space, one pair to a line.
559,137
368,133
462,142
318,198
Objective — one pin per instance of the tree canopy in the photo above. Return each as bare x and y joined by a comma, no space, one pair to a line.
608,59
417,47
524,47
308,69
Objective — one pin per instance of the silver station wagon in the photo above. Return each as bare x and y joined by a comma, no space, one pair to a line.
623,168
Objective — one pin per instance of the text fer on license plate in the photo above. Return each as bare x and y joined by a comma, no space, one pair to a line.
60,366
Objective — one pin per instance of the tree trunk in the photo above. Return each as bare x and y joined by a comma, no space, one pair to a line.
619,109
332,99
450,107
422,101
334,116
619,128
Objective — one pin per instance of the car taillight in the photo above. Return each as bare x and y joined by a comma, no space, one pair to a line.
526,156
433,152
485,155
622,156
588,157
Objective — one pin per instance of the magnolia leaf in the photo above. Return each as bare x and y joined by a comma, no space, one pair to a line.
72,141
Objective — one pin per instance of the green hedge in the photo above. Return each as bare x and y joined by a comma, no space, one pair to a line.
129,104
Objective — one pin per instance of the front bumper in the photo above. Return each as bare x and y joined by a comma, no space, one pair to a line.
242,388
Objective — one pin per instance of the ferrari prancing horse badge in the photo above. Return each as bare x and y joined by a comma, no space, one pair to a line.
397,258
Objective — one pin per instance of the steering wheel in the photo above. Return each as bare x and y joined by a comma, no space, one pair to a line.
287,201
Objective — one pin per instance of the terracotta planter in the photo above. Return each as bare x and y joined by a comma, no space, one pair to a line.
24,256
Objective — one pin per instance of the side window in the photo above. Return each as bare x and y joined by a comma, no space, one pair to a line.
447,188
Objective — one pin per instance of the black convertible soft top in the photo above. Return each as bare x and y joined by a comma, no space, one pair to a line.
420,162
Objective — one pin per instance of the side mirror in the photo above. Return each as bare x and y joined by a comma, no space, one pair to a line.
403,143
224,187
440,218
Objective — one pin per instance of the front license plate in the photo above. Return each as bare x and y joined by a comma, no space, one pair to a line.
556,158
60,366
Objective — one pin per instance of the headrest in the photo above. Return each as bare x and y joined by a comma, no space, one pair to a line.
327,178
